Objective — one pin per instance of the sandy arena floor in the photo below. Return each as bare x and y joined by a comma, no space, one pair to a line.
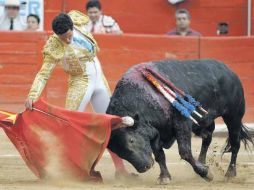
15,175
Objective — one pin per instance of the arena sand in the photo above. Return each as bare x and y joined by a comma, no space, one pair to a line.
14,175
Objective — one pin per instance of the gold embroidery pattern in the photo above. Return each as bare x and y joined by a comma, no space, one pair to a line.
76,91
54,48
70,62
78,18
41,80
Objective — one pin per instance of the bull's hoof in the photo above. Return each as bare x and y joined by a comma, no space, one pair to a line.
231,173
163,180
209,176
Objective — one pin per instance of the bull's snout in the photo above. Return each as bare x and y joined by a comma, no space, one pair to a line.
146,167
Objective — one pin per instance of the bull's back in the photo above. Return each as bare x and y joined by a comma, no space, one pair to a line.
209,81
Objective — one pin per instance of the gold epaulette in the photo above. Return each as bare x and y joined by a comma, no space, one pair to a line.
78,18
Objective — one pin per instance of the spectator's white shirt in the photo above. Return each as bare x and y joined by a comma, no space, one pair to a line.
18,23
105,24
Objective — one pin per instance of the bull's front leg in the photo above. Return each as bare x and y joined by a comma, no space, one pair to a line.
160,158
183,136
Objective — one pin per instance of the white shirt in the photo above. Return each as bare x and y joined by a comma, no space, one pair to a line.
18,23
105,24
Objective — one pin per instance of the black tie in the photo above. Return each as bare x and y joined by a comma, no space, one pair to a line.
11,26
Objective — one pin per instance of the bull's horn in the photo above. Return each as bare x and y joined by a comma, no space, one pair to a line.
128,121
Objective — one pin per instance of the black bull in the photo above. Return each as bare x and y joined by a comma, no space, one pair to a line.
158,124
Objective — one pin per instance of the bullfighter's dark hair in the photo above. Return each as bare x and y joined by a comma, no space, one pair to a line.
35,16
92,4
183,11
62,23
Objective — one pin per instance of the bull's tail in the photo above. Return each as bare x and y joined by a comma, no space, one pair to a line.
245,137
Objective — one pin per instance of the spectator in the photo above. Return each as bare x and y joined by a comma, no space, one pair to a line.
99,23
183,20
11,19
33,22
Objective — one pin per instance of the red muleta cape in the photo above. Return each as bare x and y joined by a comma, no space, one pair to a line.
58,143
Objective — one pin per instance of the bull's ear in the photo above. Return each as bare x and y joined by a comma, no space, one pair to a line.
136,117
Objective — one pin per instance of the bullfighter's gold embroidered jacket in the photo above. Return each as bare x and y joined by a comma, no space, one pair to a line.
72,60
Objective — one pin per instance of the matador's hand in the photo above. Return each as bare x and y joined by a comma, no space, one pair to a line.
29,103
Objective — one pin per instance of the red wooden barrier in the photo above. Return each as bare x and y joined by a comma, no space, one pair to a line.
121,52
236,52
20,54
21,58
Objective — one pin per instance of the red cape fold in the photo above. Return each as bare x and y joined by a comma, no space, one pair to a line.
58,143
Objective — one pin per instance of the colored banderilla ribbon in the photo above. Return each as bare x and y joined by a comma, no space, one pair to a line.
166,92
186,104
179,92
